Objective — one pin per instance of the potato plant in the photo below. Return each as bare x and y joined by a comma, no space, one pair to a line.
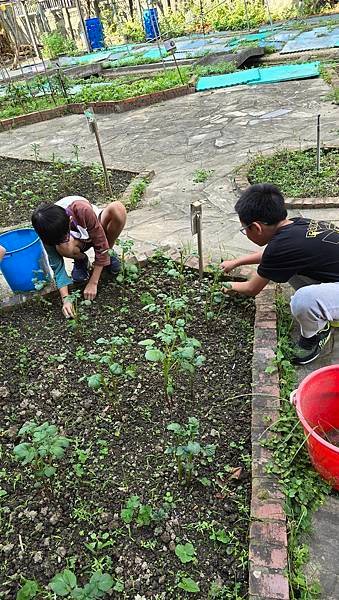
112,370
176,352
44,448
187,448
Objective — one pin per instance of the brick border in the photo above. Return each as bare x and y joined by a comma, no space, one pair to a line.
108,107
241,182
268,536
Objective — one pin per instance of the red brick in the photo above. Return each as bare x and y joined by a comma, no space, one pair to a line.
266,555
268,532
268,510
266,584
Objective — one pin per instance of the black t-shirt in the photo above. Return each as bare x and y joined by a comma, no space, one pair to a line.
304,247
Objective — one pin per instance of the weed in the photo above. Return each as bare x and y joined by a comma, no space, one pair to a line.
65,584
215,299
185,552
44,448
294,172
304,490
137,193
201,175
29,590
187,448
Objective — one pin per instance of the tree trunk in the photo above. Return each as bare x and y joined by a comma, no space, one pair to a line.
131,8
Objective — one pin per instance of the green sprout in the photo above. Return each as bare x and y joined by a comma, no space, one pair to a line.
44,448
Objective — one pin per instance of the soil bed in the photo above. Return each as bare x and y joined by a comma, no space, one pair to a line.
294,172
26,183
46,526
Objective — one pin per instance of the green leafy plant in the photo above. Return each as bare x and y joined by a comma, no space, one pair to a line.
215,299
137,193
129,271
201,175
55,44
187,448
44,448
79,309
29,590
176,352
188,585
185,552
303,489
99,541
113,370
64,584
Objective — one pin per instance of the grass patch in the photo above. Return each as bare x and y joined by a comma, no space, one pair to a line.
294,172
304,490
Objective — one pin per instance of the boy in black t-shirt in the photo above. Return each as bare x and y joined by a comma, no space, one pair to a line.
301,251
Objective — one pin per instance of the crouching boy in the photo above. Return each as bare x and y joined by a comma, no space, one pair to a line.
301,251
68,229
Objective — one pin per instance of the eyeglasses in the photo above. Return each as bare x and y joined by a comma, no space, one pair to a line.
243,229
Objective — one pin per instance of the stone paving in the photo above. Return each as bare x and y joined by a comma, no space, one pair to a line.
215,131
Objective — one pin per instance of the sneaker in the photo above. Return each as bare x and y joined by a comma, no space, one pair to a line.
80,272
115,265
308,349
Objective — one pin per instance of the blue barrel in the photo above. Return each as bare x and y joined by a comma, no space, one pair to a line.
24,260
95,33
151,24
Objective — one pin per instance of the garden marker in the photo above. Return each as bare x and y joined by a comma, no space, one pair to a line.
93,127
318,144
196,214
171,48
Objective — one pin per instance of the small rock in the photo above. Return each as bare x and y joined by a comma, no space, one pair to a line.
46,542
61,551
119,570
4,391
37,558
56,394
172,546
44,511
54,518
162,579
7,549
138,560
166,537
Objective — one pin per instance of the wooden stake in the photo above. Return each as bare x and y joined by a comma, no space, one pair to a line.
318,144
97,137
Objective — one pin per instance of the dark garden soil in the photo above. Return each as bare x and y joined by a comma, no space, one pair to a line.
73,519
26,183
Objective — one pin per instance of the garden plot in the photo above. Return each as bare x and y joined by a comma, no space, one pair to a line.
25,184
138,479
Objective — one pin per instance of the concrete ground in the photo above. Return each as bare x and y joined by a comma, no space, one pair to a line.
216,131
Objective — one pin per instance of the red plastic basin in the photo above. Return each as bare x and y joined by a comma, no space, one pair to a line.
317,405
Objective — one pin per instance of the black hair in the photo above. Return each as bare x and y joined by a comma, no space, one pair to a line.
51,223
262,202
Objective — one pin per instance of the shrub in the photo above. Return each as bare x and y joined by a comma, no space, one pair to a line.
55,44
132,31
232,15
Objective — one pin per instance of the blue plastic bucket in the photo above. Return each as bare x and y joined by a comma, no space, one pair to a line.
151,24
95,33
24,259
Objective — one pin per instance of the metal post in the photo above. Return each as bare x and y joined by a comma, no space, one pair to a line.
196,216
201,264
202,17
83,27
177,66
318,144
97,137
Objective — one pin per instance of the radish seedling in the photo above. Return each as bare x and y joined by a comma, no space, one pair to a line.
45,446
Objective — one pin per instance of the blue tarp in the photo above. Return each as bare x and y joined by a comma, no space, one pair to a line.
257,76
320,37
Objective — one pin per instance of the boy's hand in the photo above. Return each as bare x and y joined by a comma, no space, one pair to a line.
90,291
227,288
67,309
228,265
